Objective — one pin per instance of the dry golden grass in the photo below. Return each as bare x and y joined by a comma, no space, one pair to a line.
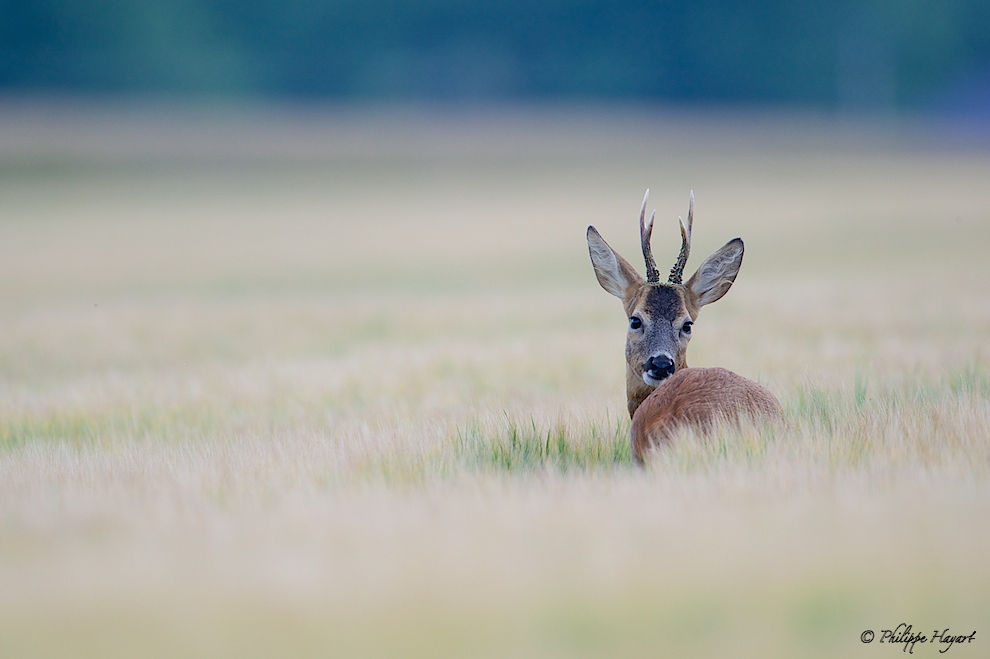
304,385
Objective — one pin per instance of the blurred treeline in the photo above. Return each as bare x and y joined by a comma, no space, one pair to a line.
820,53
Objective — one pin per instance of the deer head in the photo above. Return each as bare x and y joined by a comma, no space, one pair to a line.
661,315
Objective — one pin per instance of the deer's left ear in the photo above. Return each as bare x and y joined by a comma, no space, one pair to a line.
614,273
715,276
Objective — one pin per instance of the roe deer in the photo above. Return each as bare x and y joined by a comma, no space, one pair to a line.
661,391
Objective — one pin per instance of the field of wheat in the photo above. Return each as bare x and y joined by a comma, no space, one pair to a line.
300,383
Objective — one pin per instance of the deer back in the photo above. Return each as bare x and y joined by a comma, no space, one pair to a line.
702,398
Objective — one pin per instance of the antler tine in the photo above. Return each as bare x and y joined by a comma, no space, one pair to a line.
645,233
677,272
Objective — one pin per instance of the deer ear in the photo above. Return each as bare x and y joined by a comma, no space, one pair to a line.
715,276
614,272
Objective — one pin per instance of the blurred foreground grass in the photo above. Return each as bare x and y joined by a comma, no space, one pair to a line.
320,385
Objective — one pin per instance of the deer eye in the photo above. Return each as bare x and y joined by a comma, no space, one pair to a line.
635,323
686,327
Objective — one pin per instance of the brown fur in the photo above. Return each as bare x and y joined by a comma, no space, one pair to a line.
699,397
695,396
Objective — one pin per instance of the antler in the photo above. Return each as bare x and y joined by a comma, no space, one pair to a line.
677,272
645,232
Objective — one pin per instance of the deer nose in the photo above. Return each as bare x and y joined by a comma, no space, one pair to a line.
659,367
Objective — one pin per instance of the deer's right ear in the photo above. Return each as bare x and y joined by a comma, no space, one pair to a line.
614,272
716,274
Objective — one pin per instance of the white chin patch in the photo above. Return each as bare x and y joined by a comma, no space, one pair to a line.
651,380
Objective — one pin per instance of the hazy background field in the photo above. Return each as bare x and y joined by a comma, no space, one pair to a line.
313,383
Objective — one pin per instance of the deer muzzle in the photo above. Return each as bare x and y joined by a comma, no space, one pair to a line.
658,368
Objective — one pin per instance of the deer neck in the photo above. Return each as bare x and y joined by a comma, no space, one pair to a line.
636,391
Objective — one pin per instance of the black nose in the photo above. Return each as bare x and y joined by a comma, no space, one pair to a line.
659,368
